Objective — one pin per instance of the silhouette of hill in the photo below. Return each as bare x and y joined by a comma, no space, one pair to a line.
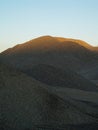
26,103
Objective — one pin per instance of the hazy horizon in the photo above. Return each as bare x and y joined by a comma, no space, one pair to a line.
27,19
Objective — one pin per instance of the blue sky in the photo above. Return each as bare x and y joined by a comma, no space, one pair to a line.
23,20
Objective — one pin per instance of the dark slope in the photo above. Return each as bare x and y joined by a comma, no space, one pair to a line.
26,103
57,77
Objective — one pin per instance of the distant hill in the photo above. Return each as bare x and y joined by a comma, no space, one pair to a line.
56,51
26,103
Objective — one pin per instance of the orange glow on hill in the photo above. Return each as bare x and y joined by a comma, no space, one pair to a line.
77,41
45,43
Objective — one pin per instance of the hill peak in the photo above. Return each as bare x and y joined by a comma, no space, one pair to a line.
47,43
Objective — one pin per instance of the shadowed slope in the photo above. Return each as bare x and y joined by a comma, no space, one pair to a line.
26,103
57,77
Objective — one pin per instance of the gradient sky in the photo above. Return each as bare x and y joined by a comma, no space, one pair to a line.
23,20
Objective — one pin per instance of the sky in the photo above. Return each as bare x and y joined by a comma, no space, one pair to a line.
23,20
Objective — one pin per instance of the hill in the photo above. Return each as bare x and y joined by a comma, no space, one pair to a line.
58,52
